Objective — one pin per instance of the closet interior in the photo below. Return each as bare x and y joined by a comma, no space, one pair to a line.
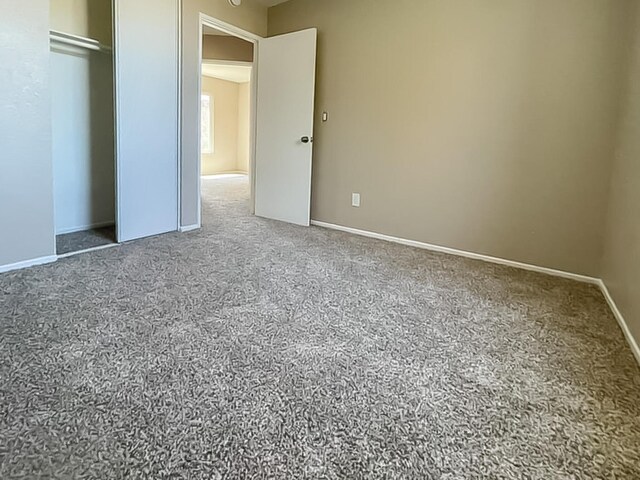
83,132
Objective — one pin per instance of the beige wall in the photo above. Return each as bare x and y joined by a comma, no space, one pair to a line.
87,18
244,114
251,17
224,159
231,127
484,125
621,266
218,47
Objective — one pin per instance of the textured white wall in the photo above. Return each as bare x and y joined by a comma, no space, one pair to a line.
26,187
87,18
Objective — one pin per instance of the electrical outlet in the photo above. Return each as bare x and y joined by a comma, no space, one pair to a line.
355,199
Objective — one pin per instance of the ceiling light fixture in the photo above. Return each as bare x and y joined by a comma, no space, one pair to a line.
235,3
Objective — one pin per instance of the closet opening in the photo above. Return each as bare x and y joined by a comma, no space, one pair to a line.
82,89
225,123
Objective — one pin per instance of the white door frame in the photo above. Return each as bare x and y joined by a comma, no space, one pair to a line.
116,109
249,37
239,63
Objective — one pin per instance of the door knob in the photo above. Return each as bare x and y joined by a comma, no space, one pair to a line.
306,139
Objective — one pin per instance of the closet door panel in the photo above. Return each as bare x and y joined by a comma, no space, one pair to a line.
146,66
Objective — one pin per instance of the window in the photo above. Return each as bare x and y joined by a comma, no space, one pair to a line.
206,123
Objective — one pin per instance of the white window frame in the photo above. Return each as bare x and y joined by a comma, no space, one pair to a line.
210,148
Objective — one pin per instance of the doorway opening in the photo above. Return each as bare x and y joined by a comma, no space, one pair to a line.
83,135
226,91
281,125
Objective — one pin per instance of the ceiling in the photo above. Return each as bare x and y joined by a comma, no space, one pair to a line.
230,73
267,3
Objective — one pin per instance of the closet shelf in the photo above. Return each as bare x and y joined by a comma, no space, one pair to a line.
77,41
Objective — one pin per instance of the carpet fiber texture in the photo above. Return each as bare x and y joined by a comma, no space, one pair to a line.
78,241
256,349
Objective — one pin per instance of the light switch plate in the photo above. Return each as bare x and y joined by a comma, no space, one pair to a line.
355,199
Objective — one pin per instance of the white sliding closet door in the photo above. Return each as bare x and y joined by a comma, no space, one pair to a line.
146,66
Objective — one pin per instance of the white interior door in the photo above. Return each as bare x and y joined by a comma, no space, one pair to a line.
284,128
146,67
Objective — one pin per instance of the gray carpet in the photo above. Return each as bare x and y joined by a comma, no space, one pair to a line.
255,349
78,241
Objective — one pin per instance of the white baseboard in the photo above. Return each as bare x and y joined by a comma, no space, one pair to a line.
84,227
230,174
189,228
412,243
460,253
87,250
28,263
621,321
501,261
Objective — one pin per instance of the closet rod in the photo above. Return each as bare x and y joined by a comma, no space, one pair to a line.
77,41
